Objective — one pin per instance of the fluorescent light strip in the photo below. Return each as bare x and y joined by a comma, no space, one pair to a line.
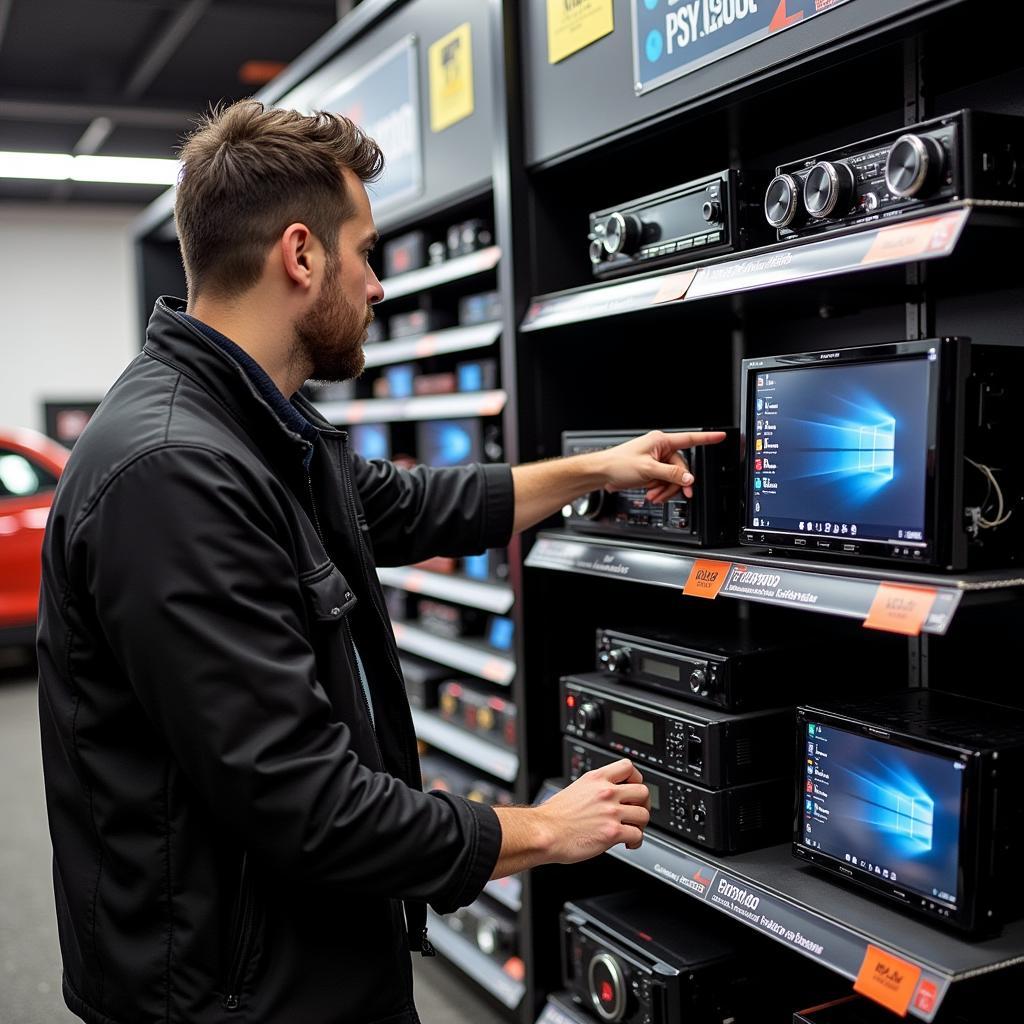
127,170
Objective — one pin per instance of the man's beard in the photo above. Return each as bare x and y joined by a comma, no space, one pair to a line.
331,335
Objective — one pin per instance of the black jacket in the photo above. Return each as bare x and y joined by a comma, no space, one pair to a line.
232,838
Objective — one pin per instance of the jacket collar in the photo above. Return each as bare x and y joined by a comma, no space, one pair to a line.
174,341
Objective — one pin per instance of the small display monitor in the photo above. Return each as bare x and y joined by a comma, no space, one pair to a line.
371,440
449,442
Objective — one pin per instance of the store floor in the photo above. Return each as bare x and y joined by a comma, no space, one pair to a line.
29,961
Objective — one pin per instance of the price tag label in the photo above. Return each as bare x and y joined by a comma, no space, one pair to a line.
706,578
674,287
899,609
887,979
426,346
905,241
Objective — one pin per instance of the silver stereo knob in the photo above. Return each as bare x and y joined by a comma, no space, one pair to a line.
782,200
589,717
711,211
622,233
614,660
607,987
913,164
586,506
698,680
828,189
596,251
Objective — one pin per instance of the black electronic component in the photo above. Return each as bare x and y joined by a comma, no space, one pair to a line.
678,225
916,797
632,957
703,744
405,253
722,820
708,518
963,155
888,452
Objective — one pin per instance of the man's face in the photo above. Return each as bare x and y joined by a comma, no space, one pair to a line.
332,332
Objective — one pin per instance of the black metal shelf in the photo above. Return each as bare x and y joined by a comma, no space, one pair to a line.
443,273
500,762
769,891
830,588
470,960
931,235
435,343
490,597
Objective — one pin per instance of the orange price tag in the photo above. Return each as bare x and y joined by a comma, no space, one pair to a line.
706,578
356,412
887,979
426,346
675,287
494,670
905,241
899,609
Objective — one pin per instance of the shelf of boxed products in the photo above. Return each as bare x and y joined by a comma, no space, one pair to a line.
422,407
902,602
433,343
930,236
491,597
472,961
770,891
488,757
454,269
508,891
458,654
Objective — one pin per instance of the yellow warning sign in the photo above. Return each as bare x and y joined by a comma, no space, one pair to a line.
451,78
574,24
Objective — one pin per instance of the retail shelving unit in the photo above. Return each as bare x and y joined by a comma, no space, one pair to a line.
548,142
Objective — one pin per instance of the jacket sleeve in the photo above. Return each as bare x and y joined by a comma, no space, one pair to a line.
195,589
415,514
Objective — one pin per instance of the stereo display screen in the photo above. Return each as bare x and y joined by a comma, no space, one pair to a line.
884,809
448,442
841,450
371,440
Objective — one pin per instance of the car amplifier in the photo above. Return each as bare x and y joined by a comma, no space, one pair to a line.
964,155
710,517
733,673
681,224
722,820
486,714
632,957
703,744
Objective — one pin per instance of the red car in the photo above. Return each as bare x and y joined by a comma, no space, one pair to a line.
29,467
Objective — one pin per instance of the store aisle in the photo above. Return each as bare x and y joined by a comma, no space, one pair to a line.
29,961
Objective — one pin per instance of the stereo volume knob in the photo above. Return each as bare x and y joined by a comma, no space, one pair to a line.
614,660
914,165
711,211
607,987
782,201
589,717
622,233
698,680
828,189
587,506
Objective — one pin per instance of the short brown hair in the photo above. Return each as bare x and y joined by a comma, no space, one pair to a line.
247,173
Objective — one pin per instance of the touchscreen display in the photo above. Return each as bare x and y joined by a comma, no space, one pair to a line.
884,809
841,450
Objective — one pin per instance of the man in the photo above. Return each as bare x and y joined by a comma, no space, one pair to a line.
231,770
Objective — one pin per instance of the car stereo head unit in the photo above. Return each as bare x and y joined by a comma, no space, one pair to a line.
916,796
709,517
885,452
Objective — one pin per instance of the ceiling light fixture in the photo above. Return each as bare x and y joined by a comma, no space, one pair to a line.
128,170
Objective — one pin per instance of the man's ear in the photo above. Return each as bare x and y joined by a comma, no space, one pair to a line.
296,247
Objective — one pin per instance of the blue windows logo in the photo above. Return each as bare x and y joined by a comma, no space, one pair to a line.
877,447
895,803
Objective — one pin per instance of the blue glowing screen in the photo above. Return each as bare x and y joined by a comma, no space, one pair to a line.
448,442
841,449
884,809
371,440
500,633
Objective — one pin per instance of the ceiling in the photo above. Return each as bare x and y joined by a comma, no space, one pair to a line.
125,77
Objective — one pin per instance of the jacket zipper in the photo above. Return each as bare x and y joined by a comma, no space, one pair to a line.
348,625
426,948
242,929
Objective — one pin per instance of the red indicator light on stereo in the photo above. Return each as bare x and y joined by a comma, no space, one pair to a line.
570,701
607,992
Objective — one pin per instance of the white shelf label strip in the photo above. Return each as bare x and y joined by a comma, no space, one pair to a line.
491,597
465,746
422,346
454,654
450,270
422,407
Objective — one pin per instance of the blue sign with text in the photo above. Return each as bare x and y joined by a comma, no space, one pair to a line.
671,38
383,99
